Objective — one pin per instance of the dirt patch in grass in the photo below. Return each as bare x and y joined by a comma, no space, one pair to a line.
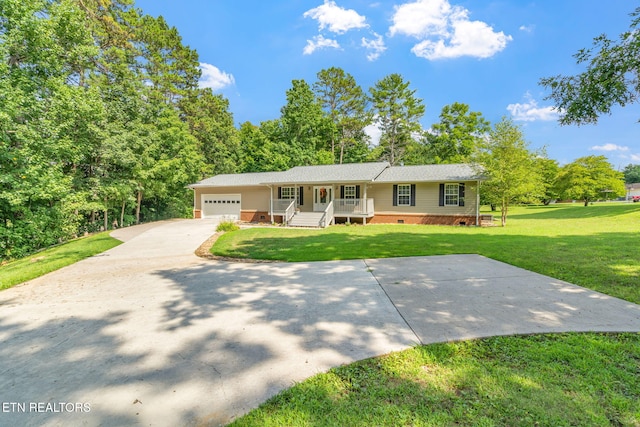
204,251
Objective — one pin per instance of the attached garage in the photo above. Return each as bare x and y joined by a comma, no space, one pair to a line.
214,205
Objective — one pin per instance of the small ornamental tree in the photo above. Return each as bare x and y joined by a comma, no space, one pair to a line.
509,166
590,178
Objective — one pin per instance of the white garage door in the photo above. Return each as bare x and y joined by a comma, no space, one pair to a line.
214,205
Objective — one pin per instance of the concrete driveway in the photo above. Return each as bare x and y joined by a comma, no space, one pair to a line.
149,334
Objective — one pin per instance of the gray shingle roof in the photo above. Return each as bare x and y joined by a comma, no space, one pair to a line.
429,173
238,179
353,172
326,174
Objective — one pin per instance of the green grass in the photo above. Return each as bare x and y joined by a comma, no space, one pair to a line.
545,380
597,247
52,259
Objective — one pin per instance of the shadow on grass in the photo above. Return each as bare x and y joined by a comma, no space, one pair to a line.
573,211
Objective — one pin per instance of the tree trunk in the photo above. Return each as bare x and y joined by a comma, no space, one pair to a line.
138,203
586,202
503,216
124,203
106,215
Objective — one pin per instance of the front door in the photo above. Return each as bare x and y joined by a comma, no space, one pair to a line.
321,197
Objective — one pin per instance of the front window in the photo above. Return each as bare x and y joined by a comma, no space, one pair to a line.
451,192
350,193
290,193
404,194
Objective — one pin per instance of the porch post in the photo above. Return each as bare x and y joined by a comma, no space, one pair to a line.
194,205
271,203
478,203
366,205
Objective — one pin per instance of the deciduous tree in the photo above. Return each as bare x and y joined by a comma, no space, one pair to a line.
589,179
631,173
508,164
610,78
457,135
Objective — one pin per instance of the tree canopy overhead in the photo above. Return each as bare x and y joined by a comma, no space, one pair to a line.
612,77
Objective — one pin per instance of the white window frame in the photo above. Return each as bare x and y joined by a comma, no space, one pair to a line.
350,194
451,194
290,193
404,193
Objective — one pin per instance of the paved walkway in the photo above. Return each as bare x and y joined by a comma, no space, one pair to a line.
149,334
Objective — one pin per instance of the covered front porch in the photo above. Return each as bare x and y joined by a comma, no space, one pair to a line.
320,205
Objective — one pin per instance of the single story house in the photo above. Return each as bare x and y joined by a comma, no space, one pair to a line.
369,193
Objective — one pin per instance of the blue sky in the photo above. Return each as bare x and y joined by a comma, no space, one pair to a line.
488,54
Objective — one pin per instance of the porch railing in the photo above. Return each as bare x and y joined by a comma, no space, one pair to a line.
289,212
353,207
327,216
280,206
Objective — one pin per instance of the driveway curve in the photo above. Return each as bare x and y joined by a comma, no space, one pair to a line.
149,334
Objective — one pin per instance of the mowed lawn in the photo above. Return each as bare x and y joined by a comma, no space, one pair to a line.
597,246
48,260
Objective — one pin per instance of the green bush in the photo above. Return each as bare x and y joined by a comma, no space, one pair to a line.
227,226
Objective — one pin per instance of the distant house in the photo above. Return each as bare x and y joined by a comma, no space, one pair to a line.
632,190
368,193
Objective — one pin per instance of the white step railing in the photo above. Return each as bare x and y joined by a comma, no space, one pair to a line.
327,217
289,212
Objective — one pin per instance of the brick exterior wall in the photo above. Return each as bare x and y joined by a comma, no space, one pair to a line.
197,213
254,216
423,219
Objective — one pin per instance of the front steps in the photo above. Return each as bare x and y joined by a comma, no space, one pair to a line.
306,219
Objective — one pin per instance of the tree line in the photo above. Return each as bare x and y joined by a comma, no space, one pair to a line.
102,124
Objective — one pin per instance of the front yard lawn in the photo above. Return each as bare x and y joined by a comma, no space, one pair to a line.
597,247
52,259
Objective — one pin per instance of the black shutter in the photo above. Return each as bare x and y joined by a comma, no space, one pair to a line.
279,192
413,194
441,198
461,194
395,195
301,196
357,191
342,191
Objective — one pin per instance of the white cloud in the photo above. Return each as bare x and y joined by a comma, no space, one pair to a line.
527,28
375,46
530,112
213,78
319,42
609,147
445,31
635,157
335,18
374,133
